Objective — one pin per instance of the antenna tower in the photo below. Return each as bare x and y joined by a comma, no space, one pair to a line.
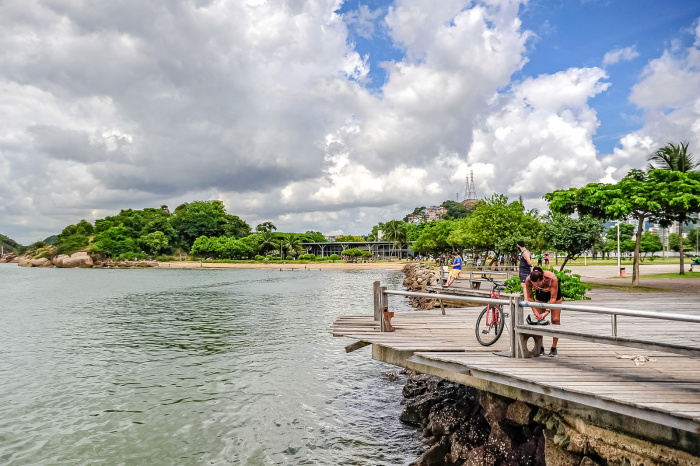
469,189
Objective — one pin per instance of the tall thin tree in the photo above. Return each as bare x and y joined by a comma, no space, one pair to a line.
675,157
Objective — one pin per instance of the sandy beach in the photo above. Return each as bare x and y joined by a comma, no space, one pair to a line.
289,266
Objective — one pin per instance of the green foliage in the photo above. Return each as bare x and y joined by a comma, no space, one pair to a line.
650,243
113,242
395,232
291,244
356,252
222,247
307,257
11,245
569,283
206,218
265,227
660,196
496,225
348,239
259,258
315,237
455,210
132,255
51,240
74,237
267,242
572,236
512,285
434,237
155,242
334,257
417,212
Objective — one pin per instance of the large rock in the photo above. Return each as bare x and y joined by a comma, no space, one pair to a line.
436,455
24,261
58,260
554,454
495,407
519,413
41,262
80,259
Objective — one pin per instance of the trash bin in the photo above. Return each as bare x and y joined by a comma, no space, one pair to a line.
622,272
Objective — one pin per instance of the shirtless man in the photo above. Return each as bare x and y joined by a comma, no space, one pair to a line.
546,290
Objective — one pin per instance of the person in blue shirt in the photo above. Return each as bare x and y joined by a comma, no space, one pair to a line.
456,269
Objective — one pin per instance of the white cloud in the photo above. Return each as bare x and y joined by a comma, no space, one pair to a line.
620,54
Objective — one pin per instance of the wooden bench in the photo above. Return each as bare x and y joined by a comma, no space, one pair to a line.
536,332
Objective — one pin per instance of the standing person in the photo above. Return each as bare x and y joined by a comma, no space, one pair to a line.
525,265
456,269
546,258
539,260
546,290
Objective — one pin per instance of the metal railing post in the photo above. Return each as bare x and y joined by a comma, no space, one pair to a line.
613,319
384,307
377,302
514,308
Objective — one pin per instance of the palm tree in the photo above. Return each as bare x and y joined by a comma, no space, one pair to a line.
267,242
291,243
675,157
395,232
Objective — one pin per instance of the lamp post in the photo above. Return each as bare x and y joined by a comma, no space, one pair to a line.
618,249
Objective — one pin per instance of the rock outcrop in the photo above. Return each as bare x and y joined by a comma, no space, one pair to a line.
418,277
464,426
7,258
81,259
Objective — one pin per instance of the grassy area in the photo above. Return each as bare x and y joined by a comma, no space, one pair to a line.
673,275
627,288
624,261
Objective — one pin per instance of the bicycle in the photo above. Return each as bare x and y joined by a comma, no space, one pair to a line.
489,325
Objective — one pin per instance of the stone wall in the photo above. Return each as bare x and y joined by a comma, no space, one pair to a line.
418,277
467,427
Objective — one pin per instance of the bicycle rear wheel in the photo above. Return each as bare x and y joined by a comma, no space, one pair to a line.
488,333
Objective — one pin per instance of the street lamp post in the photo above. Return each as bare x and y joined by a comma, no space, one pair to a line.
618,248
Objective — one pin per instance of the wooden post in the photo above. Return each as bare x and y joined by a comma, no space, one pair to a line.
442,307
377,302
385,322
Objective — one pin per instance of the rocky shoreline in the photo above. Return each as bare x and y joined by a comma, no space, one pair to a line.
80,259
463,426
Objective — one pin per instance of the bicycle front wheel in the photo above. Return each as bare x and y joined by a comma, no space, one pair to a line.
489,325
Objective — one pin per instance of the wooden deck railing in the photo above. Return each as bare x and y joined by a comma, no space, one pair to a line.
520,332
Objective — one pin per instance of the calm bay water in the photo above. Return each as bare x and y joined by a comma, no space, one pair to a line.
192,367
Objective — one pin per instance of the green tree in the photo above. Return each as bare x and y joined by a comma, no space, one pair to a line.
571,236
267,242
74,237
675,157
497,225
315,237
113,242
650,243
455,210
434,238
374,235
291,244
265,227
348,239
206,218
656,196
154,242
395,232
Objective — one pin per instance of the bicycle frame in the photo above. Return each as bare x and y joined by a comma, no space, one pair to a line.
492,313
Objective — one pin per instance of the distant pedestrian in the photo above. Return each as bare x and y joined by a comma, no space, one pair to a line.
456,269
546,259
525,265
539,260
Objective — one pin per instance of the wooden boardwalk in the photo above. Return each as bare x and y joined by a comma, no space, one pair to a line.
664,391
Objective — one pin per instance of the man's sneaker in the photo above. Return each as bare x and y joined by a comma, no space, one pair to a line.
542,322
530,321
541,350
552,353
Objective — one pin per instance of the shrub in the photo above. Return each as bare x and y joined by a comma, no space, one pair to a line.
129,256
334,257
307,257
165,258
570,283
259,258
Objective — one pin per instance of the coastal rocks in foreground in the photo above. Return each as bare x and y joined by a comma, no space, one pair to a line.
418,277
463,426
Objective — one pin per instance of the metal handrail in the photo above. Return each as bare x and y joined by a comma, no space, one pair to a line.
468,299
614,311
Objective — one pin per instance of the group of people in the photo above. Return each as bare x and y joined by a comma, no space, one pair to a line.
538,285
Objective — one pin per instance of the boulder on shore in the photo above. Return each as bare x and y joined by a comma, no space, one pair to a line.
80,259
418,277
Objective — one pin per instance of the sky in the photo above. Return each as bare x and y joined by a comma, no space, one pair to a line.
328,115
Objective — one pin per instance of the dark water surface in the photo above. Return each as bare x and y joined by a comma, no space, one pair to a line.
192,367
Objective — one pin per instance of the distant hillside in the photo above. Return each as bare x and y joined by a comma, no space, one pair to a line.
10,245
51,240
